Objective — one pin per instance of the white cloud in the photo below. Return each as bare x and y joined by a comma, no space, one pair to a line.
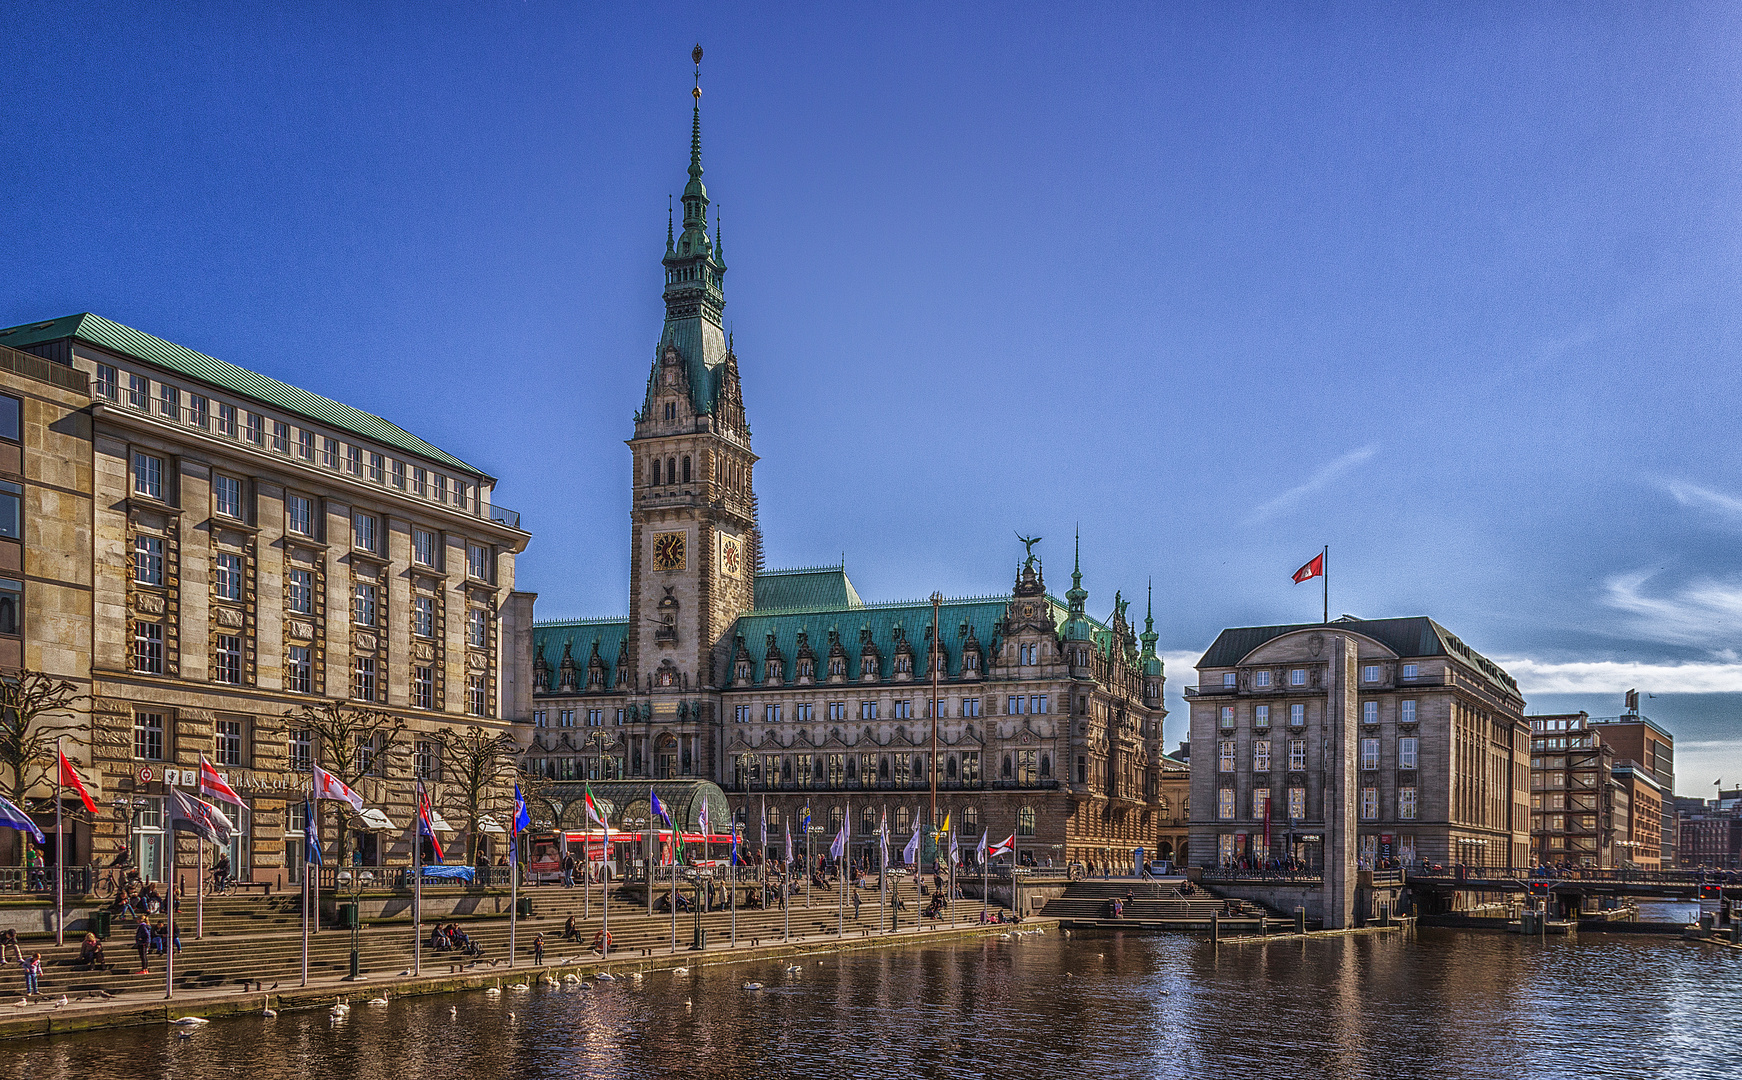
1705,498
1619,676
1316,482
1181,667
1704,612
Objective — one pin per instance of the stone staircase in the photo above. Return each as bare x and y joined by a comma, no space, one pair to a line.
1151,902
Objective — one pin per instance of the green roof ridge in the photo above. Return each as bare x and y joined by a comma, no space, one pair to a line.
139,345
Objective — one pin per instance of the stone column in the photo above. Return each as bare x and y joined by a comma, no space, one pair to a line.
1342,707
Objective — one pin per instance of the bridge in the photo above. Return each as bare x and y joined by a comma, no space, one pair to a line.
1655,884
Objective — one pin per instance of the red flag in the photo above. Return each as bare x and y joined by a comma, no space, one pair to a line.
69,778
213,785
1313,569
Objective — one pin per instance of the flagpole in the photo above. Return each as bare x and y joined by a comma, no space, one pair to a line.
305,865
605,888
200,895
652,849
951,898
807,851
513,887
1326,556
882,871
985,876
169,907
786,886
672,821
60,850
841,910
417,887
732,881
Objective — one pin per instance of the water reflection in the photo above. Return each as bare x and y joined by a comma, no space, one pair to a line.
1441,1004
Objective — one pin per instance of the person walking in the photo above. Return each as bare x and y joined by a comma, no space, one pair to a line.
142,942
855,904
221,871
568,871
538,950
32,972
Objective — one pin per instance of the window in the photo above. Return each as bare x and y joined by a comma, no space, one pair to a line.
11,604
305,445
1369,712
1296,803
1406,751
226,495
227,581
1261,679
419,482
363,532
148,559
538,718
460,494
228,648
1297,677
169,401
595,718
256,428
867,710
138,391
771,714
1261,717
376,472
1228,678
1406,803
1369,753
1225,756
363,679
299,670
199,410
1297,716
399,475
107,382
1409,671
1260,803
477,627
1225,804
330,452
227,742
299,588
366,756
1369,804
299,515
1297,754
354,460
1370,673
1039,704
741,714
803,712
423,616
148,736
478,562
147,475
227,420
1227,718
971,706
424,760
300,746
971,767
280,437
837,710
475,695
899,710
1406,713
363,604
423,687
11,510
1261,755
1025,821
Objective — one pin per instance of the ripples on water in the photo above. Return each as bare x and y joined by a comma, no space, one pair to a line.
1439,1004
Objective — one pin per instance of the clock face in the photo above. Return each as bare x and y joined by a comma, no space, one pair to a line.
731,559
668,551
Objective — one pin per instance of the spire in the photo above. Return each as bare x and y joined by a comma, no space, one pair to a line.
1151,662
719,248
1077,622
696,121
668,245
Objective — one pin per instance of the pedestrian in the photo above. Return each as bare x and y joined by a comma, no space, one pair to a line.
568,871
142,942
570,933
32,972
9,940
538,950
33,865
855,904
221,871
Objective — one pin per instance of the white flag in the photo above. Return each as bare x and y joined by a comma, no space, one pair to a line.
910,853
328,786
839,847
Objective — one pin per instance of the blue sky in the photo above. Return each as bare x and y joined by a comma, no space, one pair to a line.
1451,289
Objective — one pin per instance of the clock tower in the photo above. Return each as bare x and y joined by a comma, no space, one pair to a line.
694,542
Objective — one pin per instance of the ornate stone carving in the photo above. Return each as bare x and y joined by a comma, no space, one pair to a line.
300,629
148,603
364,641
227,617
476,662
424,650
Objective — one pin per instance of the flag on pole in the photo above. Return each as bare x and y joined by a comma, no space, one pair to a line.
981,853
212,785
190,814
838,847
955,851
426,822
910,853
522,819
593,813
12,817
328,786
788,829
664,815
732,856
69,778
311,838
702,823
1315,567
764,830
1005,846
883,838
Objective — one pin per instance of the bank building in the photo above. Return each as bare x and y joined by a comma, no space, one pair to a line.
788,690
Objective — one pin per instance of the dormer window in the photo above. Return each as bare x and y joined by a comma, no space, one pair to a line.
671,410
805,669
774,671
743,674
838,666
971,662
904,665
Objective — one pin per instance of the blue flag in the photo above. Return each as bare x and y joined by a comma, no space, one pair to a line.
658,807
311,839
12,817
734,860
522,820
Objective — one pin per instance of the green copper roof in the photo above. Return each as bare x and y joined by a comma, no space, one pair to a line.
806,588
882,621
126,341
579,636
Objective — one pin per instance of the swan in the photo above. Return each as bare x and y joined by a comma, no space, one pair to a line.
571,978
519,986
268,1012
635,976
492,991
191,1021
752,986
378,1001
453,1012
680,971
793,969
605,976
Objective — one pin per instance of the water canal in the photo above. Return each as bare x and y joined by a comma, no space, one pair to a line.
1440,1003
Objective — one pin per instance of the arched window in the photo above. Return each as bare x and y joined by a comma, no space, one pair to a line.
836,817
686,468
653,472
903,820
671,470
1046,764
773,819
971,819
1005,772
1025,821
868,820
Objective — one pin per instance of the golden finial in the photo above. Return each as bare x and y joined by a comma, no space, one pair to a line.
696,55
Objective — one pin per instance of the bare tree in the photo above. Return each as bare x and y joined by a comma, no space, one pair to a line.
349,742
34,709
478,768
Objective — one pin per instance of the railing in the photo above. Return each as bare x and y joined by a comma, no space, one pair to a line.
889,785
1591,874
18,879
501,515
1279,877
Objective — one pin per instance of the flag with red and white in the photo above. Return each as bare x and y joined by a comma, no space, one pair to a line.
328,786
1314,568
212,785
69,778
426,822
1003,847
